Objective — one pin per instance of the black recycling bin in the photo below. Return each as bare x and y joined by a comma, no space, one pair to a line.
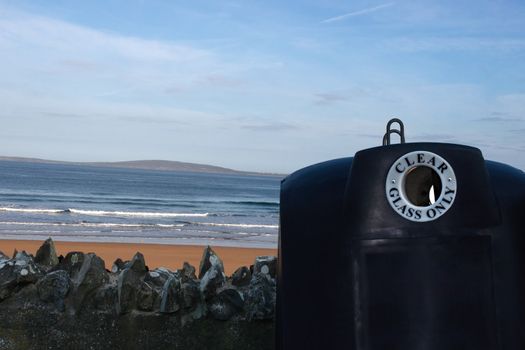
411,246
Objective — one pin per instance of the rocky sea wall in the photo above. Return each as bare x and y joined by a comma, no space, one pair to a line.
75,302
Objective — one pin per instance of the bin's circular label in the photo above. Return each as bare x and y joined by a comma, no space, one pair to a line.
421,186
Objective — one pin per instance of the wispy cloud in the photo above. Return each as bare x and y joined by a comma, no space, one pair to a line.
221,80
81,65
271,126
357,13
68,38
440,44
329,98
499,117
437,137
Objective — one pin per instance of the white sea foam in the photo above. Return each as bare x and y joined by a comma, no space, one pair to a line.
238,225
135,213
87,224
30,210
102,212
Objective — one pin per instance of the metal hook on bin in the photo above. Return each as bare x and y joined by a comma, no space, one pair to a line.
389,131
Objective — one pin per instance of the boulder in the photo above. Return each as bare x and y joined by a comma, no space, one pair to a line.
191,294
3,256
138,264
226,304
22,256
105,298
3,260
170,295
131,284
91,275
146,296
54,287
212,280
266,265
118,265
260,297
128,282
209,259
17,273
211,272
71,263
157,277
46,254
187,272
241,276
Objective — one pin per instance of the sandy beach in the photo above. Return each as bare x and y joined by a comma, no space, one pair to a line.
156,255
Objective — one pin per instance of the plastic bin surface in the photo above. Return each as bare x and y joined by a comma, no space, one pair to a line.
365,263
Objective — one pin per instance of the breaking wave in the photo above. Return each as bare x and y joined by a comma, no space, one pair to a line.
238,225
103,212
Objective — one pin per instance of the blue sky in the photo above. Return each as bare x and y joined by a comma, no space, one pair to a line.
258,85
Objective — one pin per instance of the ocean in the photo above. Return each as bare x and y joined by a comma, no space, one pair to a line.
101,204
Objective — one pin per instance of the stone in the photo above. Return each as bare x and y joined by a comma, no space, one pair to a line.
241,276
91,275
3,256
131,288
22,257
212,280
105,298
188,271
260,297
226,304
128,283
138,264
209,259
54,287
191,294
8,281
211,272
266,265
170,296
145,297
71,263
156,280
198,312
46,254
17,273
118,265
157,277
77,303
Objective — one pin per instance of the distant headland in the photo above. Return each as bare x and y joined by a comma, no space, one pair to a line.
162,165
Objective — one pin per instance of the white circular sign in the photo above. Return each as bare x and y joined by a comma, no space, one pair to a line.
401,197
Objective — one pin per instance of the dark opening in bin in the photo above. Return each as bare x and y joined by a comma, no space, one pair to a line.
422,186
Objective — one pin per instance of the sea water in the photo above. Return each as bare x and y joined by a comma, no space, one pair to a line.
102,204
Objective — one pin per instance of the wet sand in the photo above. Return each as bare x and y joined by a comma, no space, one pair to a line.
156,255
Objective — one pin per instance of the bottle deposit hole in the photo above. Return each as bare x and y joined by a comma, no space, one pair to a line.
422,186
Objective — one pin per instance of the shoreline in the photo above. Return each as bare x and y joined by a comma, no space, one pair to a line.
170,256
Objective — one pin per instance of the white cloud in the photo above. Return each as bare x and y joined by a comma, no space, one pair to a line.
437,44
72,92
58,35
357,13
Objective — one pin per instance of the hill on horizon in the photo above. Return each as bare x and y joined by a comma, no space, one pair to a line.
149,164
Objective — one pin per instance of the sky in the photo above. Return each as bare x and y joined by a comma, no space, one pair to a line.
268,86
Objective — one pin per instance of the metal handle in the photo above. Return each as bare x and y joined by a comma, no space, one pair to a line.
389,131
